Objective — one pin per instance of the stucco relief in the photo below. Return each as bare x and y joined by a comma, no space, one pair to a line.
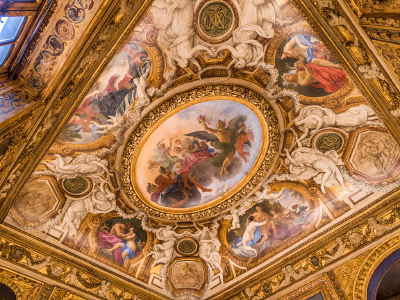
198,156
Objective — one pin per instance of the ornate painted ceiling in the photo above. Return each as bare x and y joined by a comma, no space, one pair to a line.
209,149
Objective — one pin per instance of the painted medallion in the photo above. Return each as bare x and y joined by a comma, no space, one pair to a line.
114,91
268,223
308,67
121,239
198,154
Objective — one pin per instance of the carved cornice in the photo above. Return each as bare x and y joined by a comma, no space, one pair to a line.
353,230
17,248
65,97
348,44
62,100
371,263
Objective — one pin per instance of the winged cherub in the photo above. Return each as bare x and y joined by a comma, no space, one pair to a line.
223,138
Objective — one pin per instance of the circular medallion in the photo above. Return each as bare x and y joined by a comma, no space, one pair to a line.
199,152
65,30
284,54
186,246
215,21
329,141
76,186
315,261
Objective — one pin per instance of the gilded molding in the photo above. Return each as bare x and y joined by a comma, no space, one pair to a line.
370,264
56,265
57,104
346,273
310,256
384,35
360,54
182,98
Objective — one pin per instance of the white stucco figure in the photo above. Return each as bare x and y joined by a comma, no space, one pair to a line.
142,98
376,228
263,13
104,289
57,270
71,278
313,118
286,279
176,34
164,253
296,275
250,295
245,51
307,163
355,238
98,201
235,220
371,71
341,247
114,123
289,272
37,266
265,194
209,246
337,20
84,164
326,3
257,18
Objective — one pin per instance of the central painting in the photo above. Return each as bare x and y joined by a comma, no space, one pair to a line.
199,153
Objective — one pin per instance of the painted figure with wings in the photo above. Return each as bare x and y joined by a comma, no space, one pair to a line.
224,139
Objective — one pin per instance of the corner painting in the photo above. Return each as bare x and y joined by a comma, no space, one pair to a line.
121,239
308,67
113,92
199,154
269,223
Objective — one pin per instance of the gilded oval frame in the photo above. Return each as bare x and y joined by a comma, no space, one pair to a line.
260,106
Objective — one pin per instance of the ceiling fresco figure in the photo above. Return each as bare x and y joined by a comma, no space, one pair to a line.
122,240
187,164
268,223
309,66
220,143
115,90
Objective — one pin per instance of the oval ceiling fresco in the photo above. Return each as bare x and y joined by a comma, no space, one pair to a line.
198,154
